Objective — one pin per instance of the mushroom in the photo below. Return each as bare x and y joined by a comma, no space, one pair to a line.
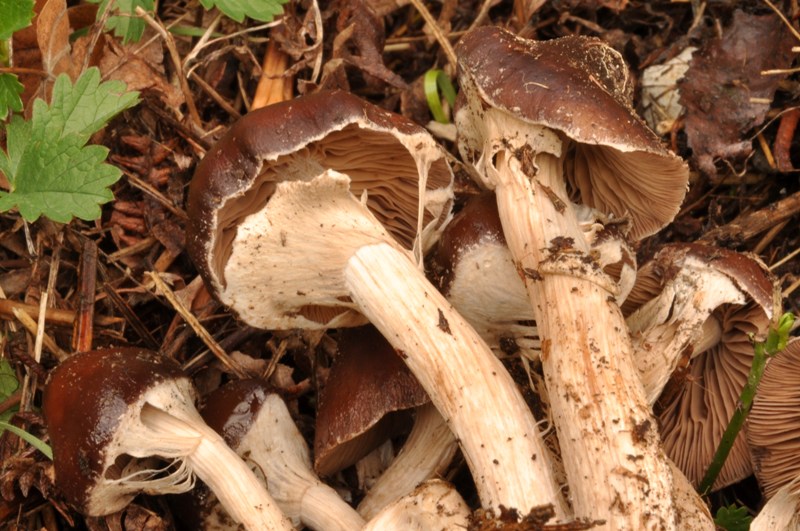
306,213
109,411
546,124
433,506
699,305
773,426
473,267
367,390
367,399
678,300
255,422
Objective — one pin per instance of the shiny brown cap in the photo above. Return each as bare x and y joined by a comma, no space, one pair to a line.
367,386
85,399
476,223
232,409
580,87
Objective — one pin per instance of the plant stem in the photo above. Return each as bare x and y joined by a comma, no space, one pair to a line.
763,350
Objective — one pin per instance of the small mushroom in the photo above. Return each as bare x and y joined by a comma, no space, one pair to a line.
698,306
773,426
473,267
546,125
306,213
109,411
367,397
433,506
675,309
256,423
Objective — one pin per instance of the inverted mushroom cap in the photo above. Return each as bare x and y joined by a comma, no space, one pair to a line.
367,386
709,302
673,311
773,426
89,404
385,156
580,87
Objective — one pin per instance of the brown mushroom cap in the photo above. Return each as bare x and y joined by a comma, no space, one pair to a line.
696,405
87,403
581,88
384,155
368,389
232,409
773,427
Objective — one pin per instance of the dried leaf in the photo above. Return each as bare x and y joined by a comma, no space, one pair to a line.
52,35
725,94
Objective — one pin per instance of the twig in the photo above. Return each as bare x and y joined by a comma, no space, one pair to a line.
748,225
155,194
38,331
176,60
52,315
130,316
438,34
198,328
84,324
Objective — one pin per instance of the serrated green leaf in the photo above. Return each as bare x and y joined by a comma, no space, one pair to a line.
63,179
50,170
14,15
82,108
18,134
261,10
124,22
733,518
10,89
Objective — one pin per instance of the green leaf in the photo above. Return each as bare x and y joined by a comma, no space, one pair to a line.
8,380
62,178
18,133
733,518
10,89
14,15
8,385
51,170
262,10
125,23
83,108
28,438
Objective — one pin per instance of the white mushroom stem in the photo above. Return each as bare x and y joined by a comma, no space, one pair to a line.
782,511
278,450
239,491
433,506
692,510
327,247
427,451
466,382
607,434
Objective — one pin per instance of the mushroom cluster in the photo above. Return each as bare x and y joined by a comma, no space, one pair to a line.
322,213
